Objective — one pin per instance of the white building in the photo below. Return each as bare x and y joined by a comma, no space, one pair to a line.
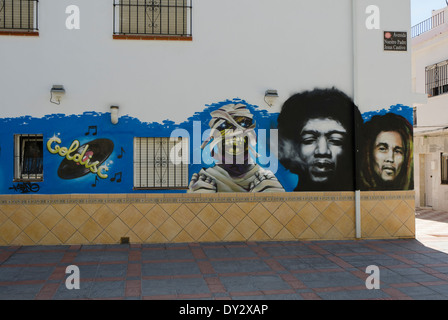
430,77
91,92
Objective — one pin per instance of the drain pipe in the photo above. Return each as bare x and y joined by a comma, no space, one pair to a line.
355,99
358,213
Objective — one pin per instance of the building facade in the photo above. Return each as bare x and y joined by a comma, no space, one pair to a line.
184,121
430,69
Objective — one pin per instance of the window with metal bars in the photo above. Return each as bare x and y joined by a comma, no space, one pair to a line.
437,79
444,167
18,15
28,157
160,163
153,17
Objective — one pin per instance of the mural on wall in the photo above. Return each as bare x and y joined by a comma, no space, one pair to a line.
317,137
387,153
25,187
73,160
81,160
232,143
233,147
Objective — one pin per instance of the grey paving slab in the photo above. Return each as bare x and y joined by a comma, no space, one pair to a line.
320,263
112,270
345,248
101,256
431,297
158,287
254,283
419,292
362,261
90,247
107,289
269,297
10,274
294,264
442,289
154,245
229,252
413,245
19,292
276,251
170,254
34,273
421,278
88,271
43,248
269,282
387,262
307,263
385,245
441,256
170,268
191,286
34,257
123,247
88,256
354,295
441,269
174,286
387,276
91,290
329,279
255,265
238,271
409,271
83,292
113,256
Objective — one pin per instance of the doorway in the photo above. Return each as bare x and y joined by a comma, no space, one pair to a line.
429,166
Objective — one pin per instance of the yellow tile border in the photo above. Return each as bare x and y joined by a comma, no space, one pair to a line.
193,198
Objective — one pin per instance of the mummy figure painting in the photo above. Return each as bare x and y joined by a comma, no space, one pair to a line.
231,141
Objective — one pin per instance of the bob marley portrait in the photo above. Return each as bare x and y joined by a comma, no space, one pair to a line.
387,156
231,141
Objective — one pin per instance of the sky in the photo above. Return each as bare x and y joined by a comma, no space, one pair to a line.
421,9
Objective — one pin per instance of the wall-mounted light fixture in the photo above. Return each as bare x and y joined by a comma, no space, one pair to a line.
114,114
270,96
57,91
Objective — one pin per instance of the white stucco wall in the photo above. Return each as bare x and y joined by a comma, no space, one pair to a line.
429,142
239,49
382,77
428,49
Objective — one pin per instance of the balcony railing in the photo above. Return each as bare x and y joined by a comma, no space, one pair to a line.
428,24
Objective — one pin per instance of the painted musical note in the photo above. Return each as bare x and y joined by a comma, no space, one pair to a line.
96,179
115,177
94,129
121,154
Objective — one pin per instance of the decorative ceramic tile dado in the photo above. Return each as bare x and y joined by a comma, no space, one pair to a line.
104,219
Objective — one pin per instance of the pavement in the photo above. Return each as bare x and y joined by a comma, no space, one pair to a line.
407,269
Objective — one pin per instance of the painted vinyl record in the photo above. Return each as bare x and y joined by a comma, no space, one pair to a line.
99,150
